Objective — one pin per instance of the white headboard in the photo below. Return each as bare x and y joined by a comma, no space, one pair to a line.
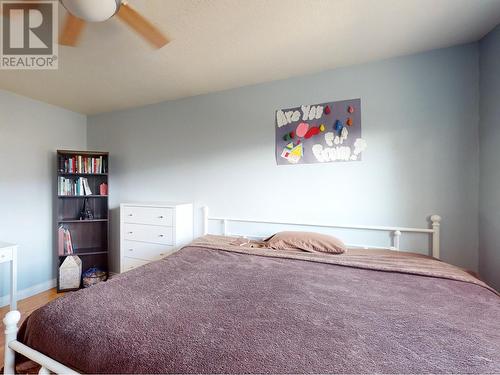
396,232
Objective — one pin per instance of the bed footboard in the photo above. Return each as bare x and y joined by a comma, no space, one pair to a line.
12,346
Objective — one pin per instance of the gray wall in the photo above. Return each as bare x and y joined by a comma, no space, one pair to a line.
489,130
30,132
420,116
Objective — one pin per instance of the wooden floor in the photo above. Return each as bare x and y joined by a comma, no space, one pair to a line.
26,307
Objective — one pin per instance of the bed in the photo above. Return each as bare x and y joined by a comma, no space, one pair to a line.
222,305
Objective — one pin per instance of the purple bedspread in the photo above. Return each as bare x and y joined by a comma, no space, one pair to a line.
212,311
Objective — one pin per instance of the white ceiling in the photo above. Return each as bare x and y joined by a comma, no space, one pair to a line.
221,44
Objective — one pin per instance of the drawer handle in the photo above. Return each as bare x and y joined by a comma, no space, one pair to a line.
130,215
130,232
161,216
3,256
160,235
130,249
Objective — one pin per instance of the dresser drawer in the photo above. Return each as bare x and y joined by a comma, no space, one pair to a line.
148,215
5,255
131,263
148,233
146,251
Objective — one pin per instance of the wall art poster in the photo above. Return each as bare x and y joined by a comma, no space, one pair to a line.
319,133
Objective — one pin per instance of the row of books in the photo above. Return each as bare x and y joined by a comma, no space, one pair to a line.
65,245
82,164
70,186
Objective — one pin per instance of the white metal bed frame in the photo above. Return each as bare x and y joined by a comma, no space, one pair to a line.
49,365
396,232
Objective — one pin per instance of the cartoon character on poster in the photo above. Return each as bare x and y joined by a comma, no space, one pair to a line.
320,133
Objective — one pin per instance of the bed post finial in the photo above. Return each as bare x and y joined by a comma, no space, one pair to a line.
436,224
10,320
205,220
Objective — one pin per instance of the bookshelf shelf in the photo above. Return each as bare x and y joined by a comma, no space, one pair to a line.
90,251
80,173
82,196
81,221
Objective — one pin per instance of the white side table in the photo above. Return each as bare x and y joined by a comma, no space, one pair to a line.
8,253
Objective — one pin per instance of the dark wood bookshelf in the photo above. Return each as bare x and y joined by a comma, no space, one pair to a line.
90,237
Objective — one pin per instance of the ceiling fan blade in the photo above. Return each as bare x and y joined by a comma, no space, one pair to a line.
142,26
72,30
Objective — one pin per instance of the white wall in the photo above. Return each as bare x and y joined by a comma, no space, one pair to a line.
419,117
30,133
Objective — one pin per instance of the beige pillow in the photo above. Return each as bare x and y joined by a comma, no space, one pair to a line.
306,241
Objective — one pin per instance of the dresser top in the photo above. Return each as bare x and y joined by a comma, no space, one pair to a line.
156,204
6,244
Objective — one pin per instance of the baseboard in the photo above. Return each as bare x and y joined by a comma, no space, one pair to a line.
28,292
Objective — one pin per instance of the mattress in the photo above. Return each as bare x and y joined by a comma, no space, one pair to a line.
219,306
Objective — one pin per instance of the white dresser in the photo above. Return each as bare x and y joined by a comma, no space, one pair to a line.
8,253
151,231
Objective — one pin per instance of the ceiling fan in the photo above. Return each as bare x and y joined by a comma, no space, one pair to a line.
82,11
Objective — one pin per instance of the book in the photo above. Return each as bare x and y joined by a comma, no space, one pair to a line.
81,164
86,187
60,240
68,186
65,244
68,243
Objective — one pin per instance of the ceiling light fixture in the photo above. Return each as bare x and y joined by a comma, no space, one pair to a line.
92,10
